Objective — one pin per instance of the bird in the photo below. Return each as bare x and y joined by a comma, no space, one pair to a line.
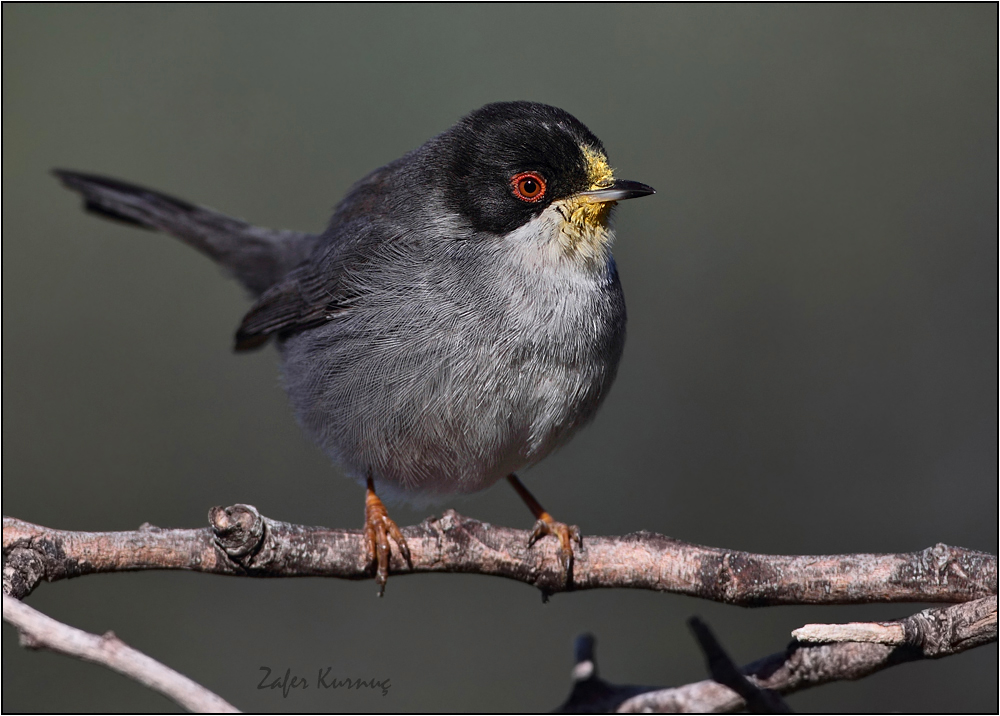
460,317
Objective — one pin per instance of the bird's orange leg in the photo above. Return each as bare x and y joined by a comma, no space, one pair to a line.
568,535
378,529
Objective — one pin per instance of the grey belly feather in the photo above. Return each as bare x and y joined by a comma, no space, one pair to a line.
443,377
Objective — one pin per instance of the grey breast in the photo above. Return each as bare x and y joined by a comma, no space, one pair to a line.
456,360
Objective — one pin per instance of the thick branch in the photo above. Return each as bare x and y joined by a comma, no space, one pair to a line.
930,634
242,542
39,631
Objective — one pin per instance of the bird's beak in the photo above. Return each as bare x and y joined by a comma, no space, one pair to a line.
620,190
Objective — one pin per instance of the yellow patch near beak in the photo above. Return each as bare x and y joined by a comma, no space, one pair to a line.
584,233
598,170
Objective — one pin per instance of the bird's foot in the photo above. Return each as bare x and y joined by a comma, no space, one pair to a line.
379,527
568,535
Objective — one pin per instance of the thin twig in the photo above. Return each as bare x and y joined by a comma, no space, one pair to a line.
871,632
590,693
723,670
935,632
39,631
242,542
931,634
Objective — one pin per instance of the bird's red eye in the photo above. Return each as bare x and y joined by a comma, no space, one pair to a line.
528,186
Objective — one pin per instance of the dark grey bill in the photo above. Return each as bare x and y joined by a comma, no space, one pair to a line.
619,191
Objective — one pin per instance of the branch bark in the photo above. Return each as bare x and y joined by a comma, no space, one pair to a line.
241,542
39,631
930,634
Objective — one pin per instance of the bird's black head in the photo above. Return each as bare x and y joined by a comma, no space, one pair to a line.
507,162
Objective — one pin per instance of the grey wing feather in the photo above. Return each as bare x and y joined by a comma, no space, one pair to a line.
258,257
300,301
325,285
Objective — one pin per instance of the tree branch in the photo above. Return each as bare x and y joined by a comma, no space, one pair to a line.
930,634
934,632
39,631
242,542
723,670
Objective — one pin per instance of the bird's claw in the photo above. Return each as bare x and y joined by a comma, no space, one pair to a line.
379,528
568,535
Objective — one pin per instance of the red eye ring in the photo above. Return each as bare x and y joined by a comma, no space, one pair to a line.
528,186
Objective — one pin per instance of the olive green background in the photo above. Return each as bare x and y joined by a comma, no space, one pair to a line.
812,355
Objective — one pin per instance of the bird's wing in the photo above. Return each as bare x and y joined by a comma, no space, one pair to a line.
320,287
303,299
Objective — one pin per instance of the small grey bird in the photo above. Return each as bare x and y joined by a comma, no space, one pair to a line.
458,320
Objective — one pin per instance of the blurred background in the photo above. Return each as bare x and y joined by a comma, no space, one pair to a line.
811,364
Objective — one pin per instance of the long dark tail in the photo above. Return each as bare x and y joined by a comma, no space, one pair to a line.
258,257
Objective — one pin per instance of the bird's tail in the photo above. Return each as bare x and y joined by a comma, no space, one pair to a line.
258,257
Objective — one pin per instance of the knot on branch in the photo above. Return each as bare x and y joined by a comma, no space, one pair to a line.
940,632
945,565
239,531
450,529
450,523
